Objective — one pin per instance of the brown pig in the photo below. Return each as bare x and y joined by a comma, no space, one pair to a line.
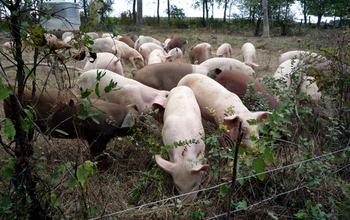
237,83
199,54
165,76
50,120
176,42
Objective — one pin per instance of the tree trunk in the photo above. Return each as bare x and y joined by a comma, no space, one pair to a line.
257,26
203,14
158,12
134,11
169,12
85,11
225,8
319,16
139,21
265,19
305,18
207,10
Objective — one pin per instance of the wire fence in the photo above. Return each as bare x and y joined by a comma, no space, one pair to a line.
222,184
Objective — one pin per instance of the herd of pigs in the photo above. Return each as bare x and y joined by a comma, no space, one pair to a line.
183,92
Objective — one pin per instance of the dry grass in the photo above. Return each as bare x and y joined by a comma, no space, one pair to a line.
132,165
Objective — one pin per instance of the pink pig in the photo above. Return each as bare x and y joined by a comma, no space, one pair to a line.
224,49
157,56
146,48
129,91
145,39
210,94
182,121
123,51
249,55
223,63
104,61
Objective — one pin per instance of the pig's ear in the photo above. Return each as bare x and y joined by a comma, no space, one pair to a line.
160,100
199,168
129,121
231,121
261,115
166,165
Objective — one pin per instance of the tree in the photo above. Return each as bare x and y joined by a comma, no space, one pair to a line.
265,19
175,12
319,8
139,20
305,9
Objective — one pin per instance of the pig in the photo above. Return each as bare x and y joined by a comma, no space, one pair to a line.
175,50
177,58
228,64
104,45
123,51
284,71
128,41
309,87
49,119
106,35
104,61
182,121
210,94
237,83
128,91
134,38
67,34
92,35
157,56
165,76
249,55
145,39
305,83
166,42
176,42
146,48
8,45
50,39
199,54
177,55
224,49
318,62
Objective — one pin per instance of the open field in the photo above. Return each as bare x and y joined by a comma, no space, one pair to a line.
134,179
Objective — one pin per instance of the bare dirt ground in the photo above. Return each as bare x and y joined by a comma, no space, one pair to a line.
133,178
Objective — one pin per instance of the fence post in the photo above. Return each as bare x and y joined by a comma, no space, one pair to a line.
234,172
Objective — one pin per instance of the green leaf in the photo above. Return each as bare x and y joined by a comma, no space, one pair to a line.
259,166
86,93
4,93
81,116
268,155
95,120
41,165
81,177
97,91
71,183
54,200
89,165
62,132
8,172
5,26
271,214
35,156
1,84
9,129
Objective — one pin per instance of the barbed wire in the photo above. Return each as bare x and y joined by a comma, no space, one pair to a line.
258,203
222,184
